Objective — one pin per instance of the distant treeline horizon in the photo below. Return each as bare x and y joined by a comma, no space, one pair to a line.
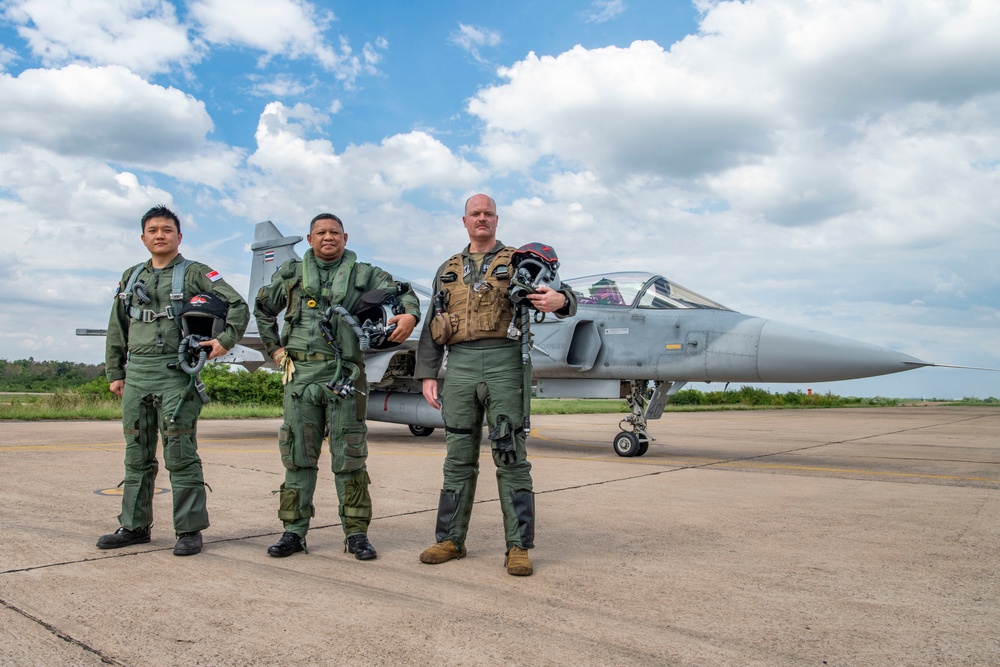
30,376
40,376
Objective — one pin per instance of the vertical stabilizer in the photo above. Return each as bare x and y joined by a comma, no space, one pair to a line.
270,250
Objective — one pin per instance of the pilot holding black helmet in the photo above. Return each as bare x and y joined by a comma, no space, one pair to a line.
147,331
474,317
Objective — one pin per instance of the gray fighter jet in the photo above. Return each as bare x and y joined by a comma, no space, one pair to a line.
636,336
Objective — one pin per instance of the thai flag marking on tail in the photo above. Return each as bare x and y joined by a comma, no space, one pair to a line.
268,255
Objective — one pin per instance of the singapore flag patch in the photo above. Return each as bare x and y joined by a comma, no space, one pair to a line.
213,275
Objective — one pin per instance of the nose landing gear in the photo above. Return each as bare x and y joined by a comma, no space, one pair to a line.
645,404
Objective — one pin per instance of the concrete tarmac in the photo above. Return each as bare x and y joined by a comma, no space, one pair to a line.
849,537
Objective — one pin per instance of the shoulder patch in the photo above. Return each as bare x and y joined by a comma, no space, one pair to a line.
213,275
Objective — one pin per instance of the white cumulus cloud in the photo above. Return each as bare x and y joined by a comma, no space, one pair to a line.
105,112
144,35
290,28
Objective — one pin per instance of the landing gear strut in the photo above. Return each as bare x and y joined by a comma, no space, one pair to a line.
644,406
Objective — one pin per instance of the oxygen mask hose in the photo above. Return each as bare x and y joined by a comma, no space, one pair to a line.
191,349
141,293
526,363
344,386
364,338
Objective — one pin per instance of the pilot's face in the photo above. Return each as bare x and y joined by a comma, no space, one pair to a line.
161,238
481,219
327,239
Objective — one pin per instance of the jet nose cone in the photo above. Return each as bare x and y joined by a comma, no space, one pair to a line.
788,353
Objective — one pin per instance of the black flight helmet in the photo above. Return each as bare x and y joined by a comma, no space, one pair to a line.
534,265
203,315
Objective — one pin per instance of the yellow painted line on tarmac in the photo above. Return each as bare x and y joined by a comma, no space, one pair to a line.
121,445
201,449
272,439
118,491
61,448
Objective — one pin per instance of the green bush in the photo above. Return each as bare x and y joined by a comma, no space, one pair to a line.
688,397
795,398
754,396
97,389
233,387
239,387
31,375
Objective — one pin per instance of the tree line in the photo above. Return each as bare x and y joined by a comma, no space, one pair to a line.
264,388
28,375
33,376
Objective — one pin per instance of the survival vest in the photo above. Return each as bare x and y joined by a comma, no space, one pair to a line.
477,310
131,300
306,304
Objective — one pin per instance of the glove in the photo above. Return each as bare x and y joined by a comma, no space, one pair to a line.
502,436
505,456
286,366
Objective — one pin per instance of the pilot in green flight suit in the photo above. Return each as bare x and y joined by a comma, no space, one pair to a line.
328,275
483,377
144,335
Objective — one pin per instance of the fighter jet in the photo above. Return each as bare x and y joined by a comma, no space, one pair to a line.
636,335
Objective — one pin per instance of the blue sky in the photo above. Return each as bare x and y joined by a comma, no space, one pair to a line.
827,164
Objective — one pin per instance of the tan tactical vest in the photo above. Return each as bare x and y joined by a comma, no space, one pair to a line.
476,311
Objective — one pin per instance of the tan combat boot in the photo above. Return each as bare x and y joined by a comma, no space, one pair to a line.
518,563
442,552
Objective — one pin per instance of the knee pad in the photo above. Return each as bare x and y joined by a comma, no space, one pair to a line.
288,505
357,501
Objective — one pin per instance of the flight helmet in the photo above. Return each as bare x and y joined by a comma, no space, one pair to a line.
534,265
203,315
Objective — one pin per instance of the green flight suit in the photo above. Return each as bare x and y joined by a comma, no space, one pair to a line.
483,379
305,289
138,352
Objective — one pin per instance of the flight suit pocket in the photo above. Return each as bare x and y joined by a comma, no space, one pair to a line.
286,446
354,443
488,309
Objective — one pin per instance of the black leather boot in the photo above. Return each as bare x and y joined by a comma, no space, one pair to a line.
188,544
289,544
123,537
360,547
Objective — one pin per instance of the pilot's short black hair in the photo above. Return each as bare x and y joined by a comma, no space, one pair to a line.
160,211
325,216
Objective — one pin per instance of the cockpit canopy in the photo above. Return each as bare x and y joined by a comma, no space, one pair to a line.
636,289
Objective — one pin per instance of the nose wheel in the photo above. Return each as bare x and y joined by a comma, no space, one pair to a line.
630,444
643,405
